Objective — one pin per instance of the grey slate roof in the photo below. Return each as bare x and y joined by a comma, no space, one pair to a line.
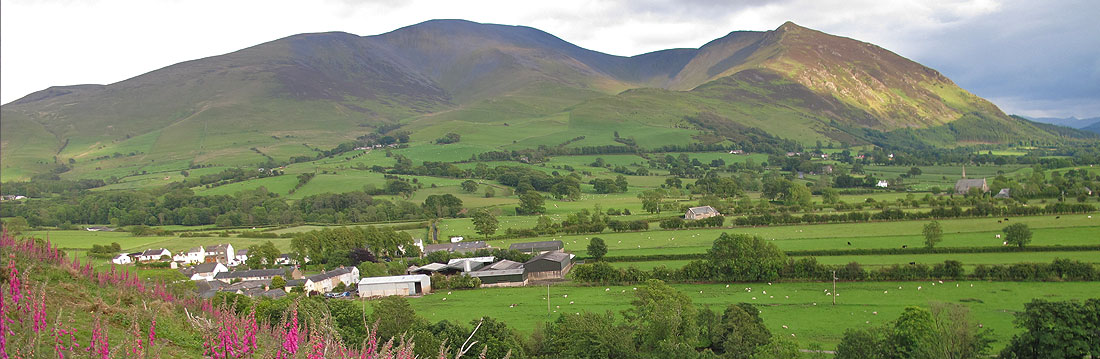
204,268
251,273
295,282
964,185
537,246
456,247
152,252
330,274
702,210
560,257
503,264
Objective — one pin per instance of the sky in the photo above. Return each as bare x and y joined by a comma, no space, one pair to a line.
1038,58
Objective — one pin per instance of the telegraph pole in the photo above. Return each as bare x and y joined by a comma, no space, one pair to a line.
547,301
834,287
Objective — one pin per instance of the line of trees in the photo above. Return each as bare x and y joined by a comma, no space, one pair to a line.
744,258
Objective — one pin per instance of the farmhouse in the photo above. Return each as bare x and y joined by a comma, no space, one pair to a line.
549,265
964,185
701,212
537,247
1004,193
221,253
461,247
324,282
191,256
150,255
123,258
415,284
250,275
205,271
504,273
882,184
240,256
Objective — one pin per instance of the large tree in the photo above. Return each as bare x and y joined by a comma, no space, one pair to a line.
651,200
597,248
440,206
531,202
1017,234
1056,330
262,255
741,257
664,319
933,234
485,223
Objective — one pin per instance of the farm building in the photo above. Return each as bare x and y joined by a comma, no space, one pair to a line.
222,253
467,264
250,275
504,273
963,186
191,256
324,282
415,284
205,271
123,258
549,265
150,255
460,247
428,269
882,184
1004,193
537,247
701,212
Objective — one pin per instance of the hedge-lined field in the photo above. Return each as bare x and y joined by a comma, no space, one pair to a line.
790,304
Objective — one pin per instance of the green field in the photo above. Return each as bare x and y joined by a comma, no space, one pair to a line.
790,304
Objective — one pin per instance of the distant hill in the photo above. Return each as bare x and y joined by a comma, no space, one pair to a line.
1072,122
500,87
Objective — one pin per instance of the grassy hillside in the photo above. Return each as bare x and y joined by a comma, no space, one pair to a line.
502,88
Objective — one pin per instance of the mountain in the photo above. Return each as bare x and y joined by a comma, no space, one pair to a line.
1095,127
1071,122
500,87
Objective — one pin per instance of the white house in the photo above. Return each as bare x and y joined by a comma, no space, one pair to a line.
324,282
882,183
123,258
241,256
150,255
191,256
207,271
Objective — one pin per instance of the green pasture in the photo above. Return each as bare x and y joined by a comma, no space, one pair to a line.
803,307
968,232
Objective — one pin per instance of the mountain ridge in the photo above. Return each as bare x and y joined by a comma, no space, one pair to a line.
320,89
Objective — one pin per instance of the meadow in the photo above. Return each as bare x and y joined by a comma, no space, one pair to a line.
803,307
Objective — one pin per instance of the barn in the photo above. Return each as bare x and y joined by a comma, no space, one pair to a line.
537,247
504,273
694,213
549,265
416,284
